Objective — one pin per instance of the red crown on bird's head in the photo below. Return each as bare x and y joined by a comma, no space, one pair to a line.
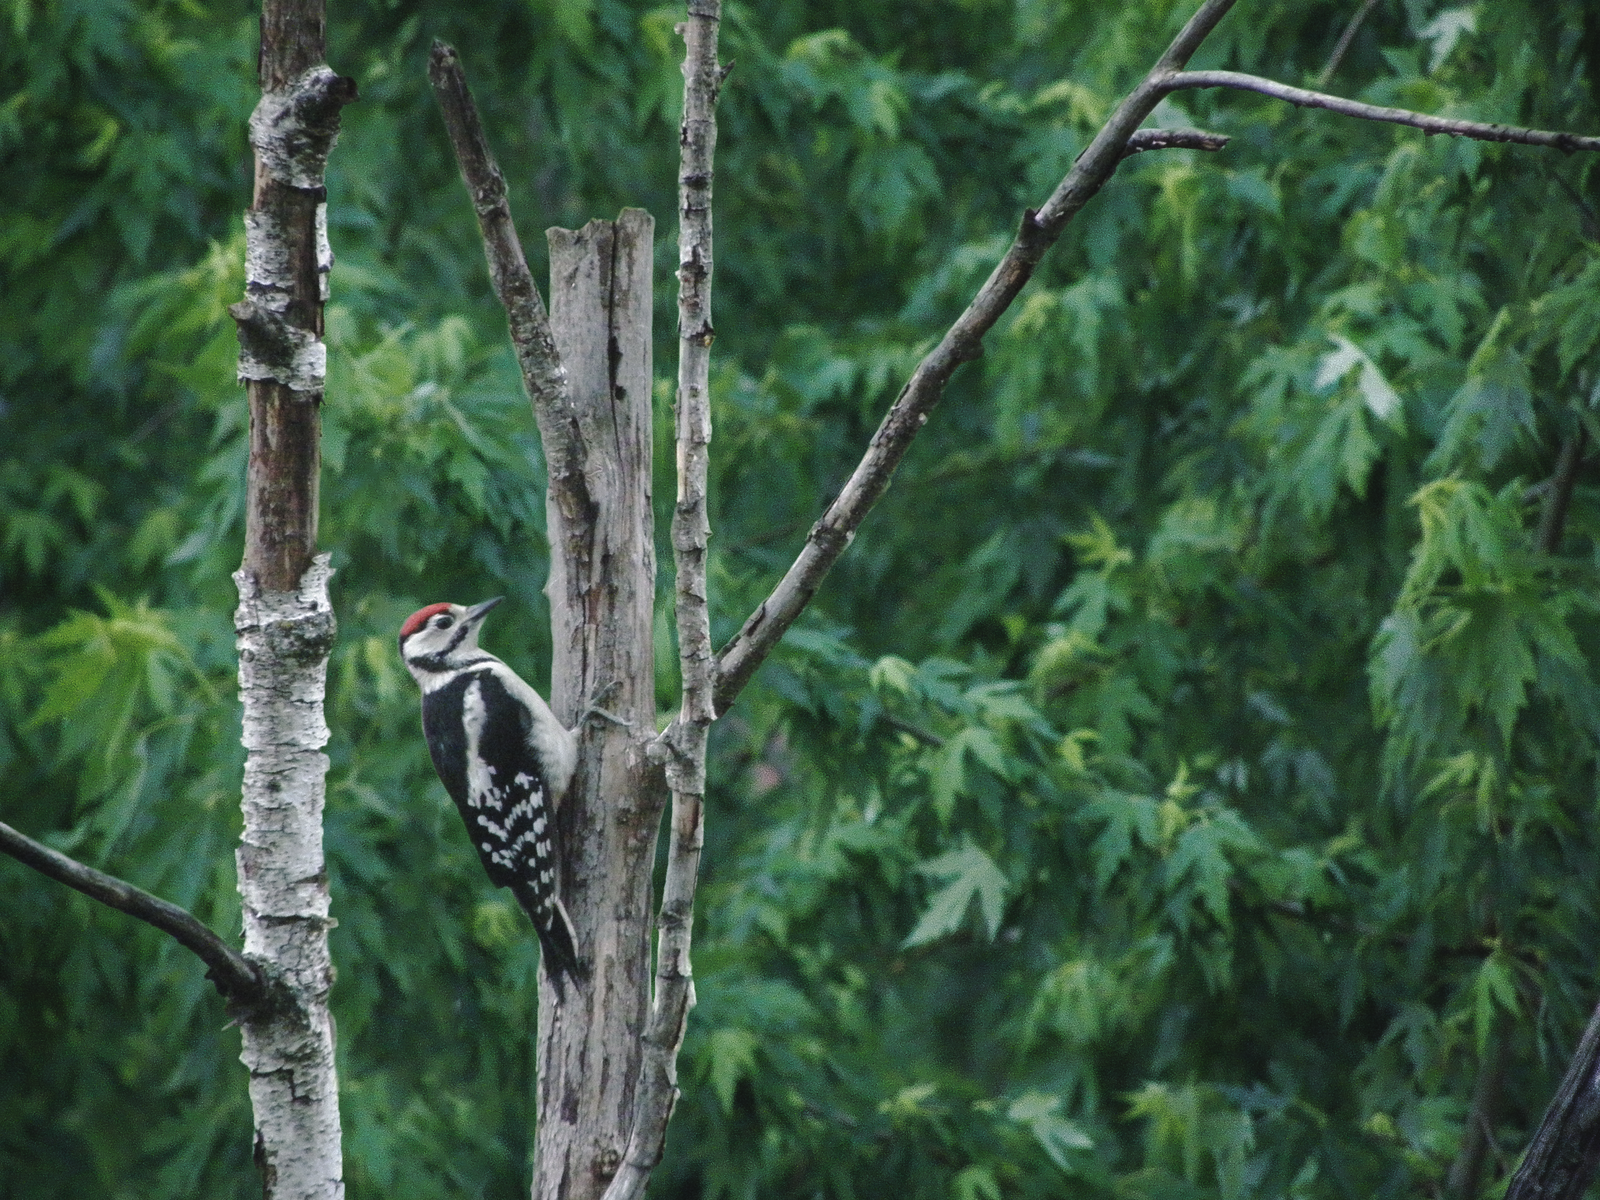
420,618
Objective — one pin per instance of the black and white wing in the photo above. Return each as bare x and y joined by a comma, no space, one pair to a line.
496,781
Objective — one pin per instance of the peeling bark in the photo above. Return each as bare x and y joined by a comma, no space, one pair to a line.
284,640
284,620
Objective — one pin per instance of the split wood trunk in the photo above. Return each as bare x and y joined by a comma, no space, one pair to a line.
602,599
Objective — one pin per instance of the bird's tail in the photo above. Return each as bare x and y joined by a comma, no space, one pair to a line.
558,946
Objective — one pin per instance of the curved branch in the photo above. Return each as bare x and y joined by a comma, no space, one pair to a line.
738,660
236,977
1303,98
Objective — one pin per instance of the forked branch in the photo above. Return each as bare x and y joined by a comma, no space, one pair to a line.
738,660
236,977
1120,137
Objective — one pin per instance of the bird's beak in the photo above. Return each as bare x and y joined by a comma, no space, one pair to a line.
478,612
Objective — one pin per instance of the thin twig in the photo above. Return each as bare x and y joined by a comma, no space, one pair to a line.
1588,219
691,531
926,736
236,977
542,372
1558,496
738,660
1301,97
1343,46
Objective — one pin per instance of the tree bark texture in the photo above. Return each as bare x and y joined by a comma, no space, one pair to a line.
282,360
602,600
1565,1152
284,640
284,620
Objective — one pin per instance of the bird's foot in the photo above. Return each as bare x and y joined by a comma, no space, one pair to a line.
594,710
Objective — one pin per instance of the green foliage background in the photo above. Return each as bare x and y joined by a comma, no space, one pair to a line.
1184,786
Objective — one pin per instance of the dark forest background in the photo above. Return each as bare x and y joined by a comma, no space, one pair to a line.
1184,787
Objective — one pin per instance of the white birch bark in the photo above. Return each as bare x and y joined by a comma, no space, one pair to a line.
284,639
284,620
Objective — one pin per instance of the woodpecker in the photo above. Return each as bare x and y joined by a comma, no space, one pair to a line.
503,757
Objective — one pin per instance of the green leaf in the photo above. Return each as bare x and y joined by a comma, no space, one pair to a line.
976,1183
732,1056
1040,1113
969,875
1445,30
1492,413
1380,398
1202,858
1126,816
1494,991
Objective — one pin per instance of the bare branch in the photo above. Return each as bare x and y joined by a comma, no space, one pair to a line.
691,531
542,372
236,977
1565,1151
1343,45
1301,97
1173,139
738,660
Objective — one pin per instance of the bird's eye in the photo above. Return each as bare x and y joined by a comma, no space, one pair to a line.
443,622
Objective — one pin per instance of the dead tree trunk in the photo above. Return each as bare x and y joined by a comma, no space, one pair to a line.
602,599
285,621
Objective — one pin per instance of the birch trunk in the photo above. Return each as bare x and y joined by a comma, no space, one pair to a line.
284,639
284,620
602,599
